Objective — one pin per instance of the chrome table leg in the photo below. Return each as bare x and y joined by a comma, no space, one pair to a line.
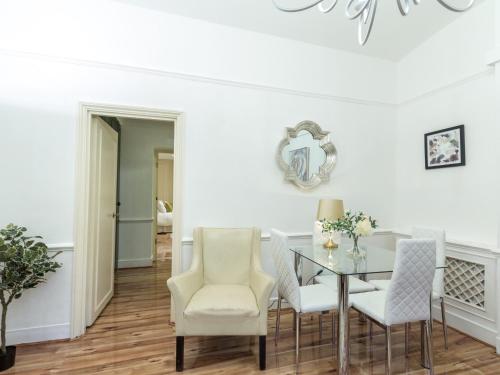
343,326
278,317
298,272
362,317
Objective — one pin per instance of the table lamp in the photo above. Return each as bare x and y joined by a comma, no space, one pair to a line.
330,209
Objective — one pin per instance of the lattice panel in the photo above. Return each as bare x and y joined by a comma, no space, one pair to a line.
464,281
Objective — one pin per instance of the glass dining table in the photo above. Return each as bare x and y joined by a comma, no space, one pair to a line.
340,261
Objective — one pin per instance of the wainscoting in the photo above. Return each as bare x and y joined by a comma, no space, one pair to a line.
51,300
470,290
471,280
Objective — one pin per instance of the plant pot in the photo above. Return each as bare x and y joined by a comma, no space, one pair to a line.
9,359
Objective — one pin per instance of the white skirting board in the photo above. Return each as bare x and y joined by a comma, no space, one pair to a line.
135,263
38,334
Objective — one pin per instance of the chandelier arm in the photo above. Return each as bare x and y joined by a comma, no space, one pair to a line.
357,14
454,9
327,9
369,15
300,9
404,9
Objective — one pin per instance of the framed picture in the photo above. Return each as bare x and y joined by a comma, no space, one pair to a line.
299,162
445,148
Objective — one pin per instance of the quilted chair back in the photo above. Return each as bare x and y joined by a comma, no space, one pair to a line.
409,292
288,285
227,254
440,237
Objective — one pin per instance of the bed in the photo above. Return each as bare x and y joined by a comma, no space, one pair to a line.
163,219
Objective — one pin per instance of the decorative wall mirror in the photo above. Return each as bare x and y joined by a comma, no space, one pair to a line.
306,155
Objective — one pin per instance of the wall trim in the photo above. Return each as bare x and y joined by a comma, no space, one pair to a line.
38,334
60,247
471,328
484,250
492,58
484,73
135,220
188,241
192,77
135,263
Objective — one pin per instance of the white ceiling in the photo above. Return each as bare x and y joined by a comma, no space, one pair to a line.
392,38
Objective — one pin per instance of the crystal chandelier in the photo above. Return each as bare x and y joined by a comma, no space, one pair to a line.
363,10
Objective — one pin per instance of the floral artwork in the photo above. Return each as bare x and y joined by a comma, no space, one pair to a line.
445,148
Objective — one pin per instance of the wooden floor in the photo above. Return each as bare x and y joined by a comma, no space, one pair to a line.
133,336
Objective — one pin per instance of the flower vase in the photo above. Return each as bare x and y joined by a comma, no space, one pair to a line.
356,251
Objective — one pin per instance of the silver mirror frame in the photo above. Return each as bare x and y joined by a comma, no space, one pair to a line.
318,134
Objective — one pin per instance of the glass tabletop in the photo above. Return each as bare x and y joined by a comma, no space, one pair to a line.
341,261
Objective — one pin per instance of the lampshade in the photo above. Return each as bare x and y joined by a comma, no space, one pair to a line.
331,209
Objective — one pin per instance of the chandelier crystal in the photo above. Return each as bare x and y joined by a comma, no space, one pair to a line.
362,10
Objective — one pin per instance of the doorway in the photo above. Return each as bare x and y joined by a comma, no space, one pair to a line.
164,200
84,280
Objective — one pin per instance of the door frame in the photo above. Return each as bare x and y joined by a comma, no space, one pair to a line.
83,218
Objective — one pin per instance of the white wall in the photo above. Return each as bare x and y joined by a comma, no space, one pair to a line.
443,83
138,143
238,89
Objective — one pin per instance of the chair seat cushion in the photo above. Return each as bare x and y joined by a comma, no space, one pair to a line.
316,298
355,285
222,301
384,285
380,284
371,304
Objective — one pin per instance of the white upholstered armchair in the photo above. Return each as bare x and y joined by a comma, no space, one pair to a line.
225,292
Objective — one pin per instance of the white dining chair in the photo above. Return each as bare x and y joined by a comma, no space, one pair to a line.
406,299
315,298
438,284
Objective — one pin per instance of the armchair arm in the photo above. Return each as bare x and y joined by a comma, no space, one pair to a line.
183,287
262,286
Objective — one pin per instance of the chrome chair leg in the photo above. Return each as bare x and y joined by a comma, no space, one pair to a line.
388,350
320,326
428,336
297,339
445,326
334,325
278,318
407,340
431,319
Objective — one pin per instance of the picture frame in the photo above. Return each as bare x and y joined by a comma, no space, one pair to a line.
445,148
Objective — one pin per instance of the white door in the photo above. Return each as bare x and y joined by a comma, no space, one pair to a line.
101,256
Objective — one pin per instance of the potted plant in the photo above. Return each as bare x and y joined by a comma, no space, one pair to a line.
24,262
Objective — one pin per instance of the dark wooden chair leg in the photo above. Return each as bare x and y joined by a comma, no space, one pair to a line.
179,353
262,352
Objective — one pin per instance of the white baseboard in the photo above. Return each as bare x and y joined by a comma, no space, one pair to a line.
135,263
472,328
38,334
